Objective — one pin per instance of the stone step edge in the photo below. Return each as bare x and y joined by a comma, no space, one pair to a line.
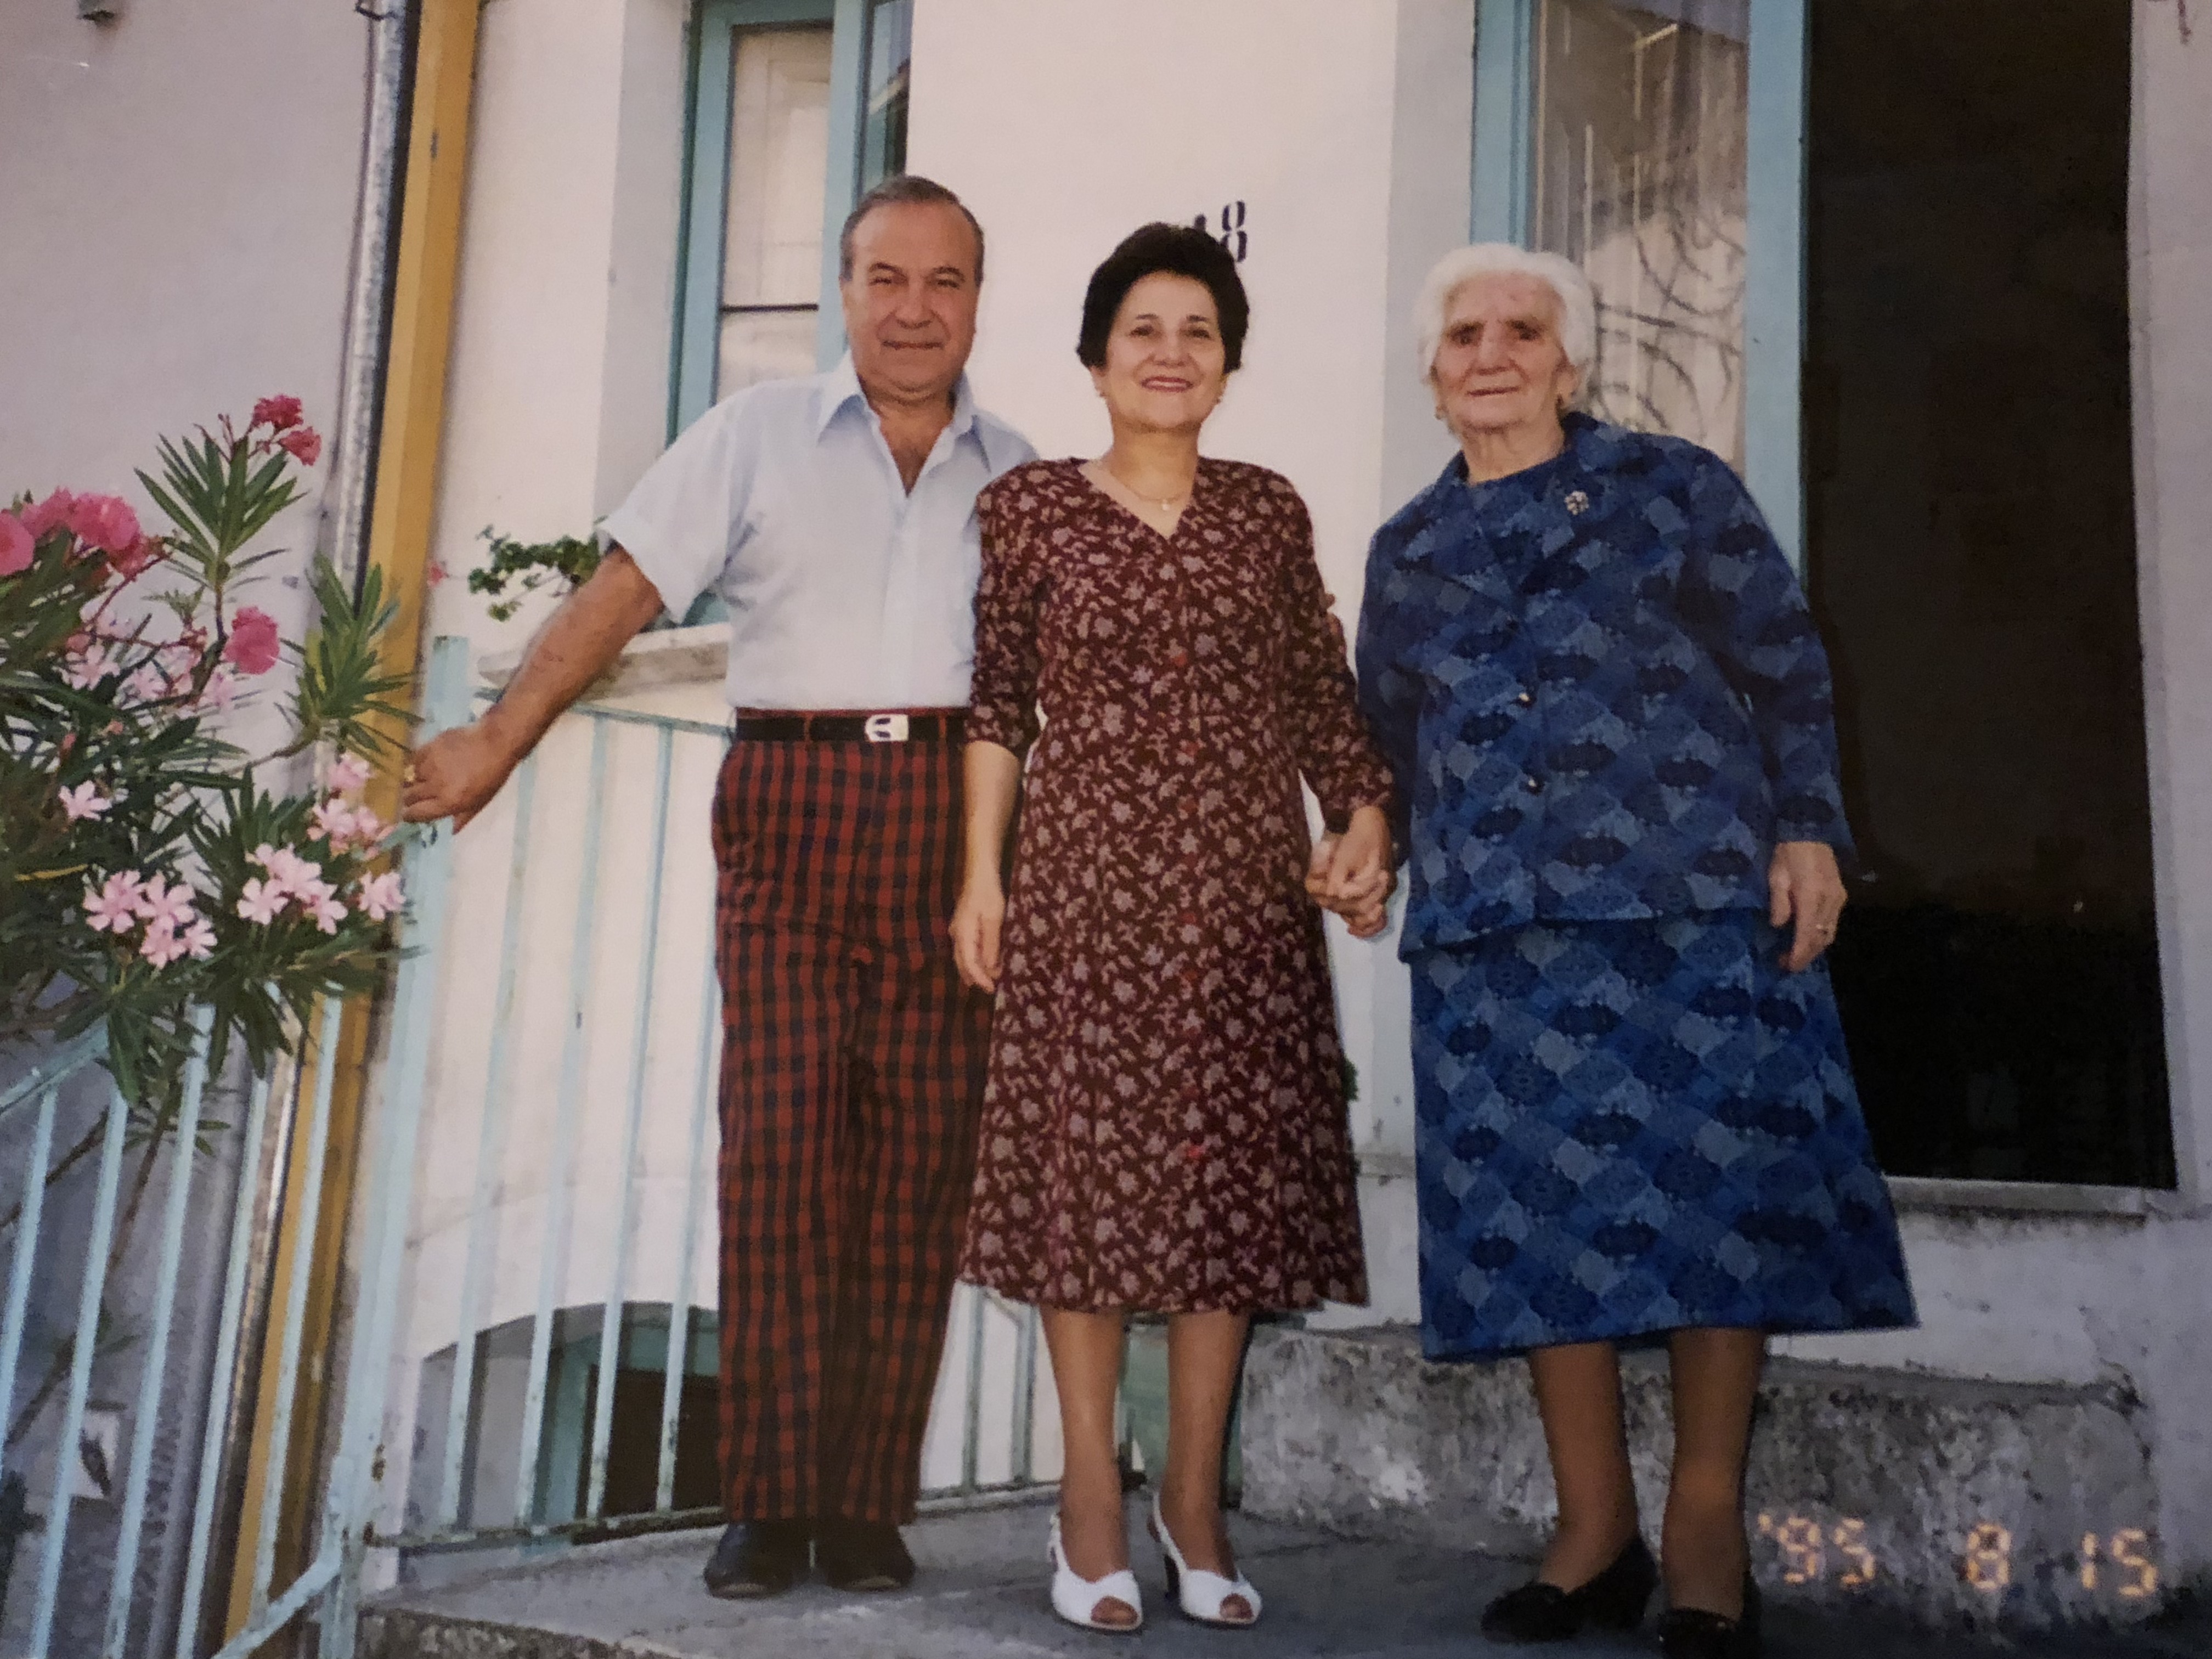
1971,1499
408,1634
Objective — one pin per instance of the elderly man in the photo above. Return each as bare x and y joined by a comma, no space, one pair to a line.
834,515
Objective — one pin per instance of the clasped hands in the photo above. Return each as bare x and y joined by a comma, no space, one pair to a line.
1350,872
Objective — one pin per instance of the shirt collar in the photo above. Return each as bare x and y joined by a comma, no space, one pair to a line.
841,387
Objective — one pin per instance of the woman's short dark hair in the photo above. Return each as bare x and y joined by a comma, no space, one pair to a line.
1175,250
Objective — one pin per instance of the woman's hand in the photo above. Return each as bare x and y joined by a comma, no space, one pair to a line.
1351,875
976,921
991,778
1807,890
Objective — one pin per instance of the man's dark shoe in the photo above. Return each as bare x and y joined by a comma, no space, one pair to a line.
863,1555
757,1557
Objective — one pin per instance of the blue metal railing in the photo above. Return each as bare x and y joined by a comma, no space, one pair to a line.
993,1356
334,1568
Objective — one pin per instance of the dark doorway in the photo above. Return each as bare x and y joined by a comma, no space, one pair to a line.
1971,561
634,1442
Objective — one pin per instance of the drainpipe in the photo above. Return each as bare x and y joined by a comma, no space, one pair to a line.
369,305
343,537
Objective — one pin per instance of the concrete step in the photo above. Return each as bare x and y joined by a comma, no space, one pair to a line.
980,1594
1959,1504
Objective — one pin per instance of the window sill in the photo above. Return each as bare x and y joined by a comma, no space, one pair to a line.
659,657
1922,1195
1925,1195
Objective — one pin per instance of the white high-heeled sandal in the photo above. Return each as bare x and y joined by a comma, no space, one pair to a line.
1076,1598
1201,1594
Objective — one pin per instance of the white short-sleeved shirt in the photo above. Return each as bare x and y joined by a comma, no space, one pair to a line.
845,590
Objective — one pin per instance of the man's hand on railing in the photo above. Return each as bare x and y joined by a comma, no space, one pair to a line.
457,772
455,775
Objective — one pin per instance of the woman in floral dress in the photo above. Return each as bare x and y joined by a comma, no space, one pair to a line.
1164,1129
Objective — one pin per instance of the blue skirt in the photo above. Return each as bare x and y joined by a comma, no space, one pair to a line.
1629,1128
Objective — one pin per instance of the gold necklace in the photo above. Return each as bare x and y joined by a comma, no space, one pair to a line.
1166,504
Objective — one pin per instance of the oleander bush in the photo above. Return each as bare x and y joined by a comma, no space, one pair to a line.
146,863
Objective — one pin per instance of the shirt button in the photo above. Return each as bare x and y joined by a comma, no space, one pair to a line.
1526,700
1534,785
1178,659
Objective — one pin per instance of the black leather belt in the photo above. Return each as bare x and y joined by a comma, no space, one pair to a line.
852,728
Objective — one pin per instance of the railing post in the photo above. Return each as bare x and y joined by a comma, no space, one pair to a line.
80,1377
356,1471
223,1395
148,1412
491,1144
610,1314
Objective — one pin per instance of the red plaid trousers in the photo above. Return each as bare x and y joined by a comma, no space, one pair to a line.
853,1066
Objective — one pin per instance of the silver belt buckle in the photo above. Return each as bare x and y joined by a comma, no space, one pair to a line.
886,729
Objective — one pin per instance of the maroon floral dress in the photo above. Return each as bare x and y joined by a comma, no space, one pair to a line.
1165,1127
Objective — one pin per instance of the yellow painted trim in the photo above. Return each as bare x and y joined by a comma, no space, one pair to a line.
399,546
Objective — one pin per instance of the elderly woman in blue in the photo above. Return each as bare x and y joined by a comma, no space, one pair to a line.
1597,681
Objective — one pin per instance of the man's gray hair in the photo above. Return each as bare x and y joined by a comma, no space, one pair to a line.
1578,306
903,187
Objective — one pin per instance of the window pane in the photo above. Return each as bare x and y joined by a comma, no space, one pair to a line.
883,134
764,345
1639,179
778,160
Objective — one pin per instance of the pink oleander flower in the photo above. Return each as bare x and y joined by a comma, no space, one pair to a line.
198,939
148,685
436,572
381,896
262,900
86,669
17,545
161,947
304,445
165,903
332,821
287,869
50,514
348,774
106,522
368,829
279,413
114,906
319,900
253,646
85,801
222,690
131,562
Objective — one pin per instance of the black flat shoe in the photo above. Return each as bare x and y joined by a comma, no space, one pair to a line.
863,1555
757,1557
1694,1633
1537,1611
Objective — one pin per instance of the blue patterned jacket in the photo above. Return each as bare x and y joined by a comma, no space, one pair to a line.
1600,688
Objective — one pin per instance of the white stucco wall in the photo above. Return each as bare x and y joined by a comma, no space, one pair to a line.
178,189
558,395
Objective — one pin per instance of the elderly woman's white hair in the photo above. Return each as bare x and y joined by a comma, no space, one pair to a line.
1578,306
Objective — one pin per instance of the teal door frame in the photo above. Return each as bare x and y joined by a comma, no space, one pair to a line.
1774,282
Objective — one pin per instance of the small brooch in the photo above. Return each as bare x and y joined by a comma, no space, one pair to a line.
1577,503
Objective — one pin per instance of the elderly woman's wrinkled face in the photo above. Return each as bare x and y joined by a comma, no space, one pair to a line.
1500,367
1164,360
